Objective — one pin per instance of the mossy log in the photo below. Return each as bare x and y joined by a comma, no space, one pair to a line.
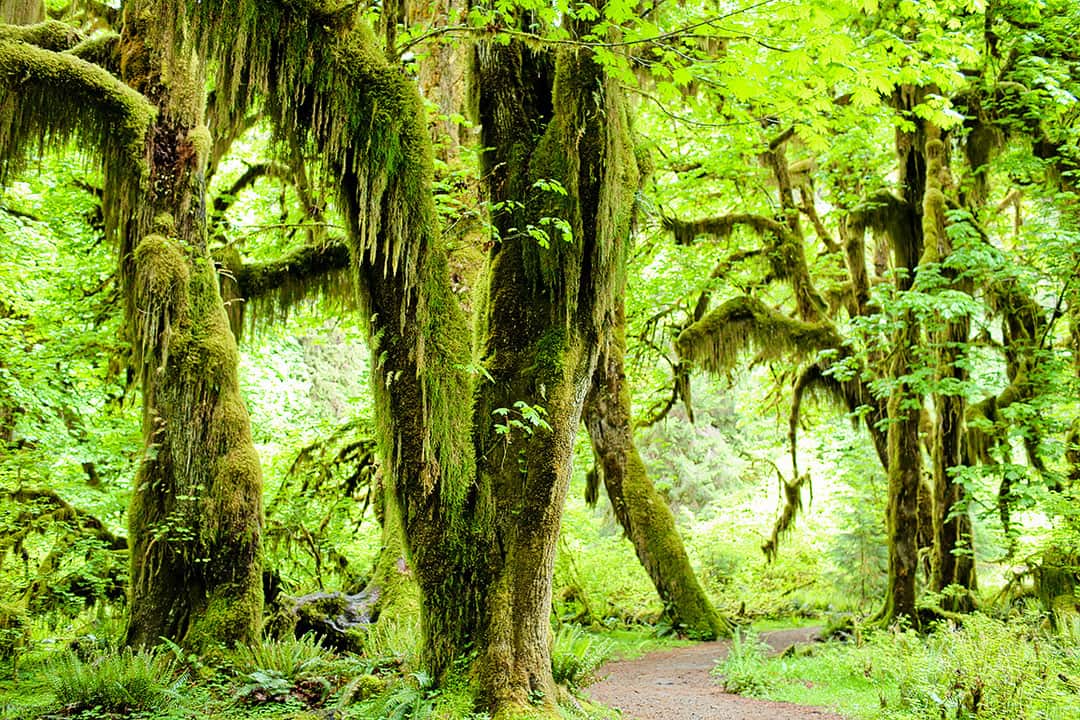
338,620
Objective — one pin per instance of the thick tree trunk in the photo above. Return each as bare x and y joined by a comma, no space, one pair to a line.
639,508
22,12
195,522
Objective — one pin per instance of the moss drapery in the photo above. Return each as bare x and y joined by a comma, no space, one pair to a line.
195,522
479,508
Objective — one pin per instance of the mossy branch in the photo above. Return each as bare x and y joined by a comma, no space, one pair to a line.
716,341
49,35
850,394
270,290
687,231
49,97
59,510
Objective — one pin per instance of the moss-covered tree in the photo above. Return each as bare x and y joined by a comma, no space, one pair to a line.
195,521
480,502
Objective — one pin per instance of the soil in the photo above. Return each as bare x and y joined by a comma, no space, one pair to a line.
675,685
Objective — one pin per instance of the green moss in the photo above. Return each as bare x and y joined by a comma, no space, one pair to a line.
55,96
49,35
201,142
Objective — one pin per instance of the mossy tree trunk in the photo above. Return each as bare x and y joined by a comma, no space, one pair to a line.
480,506
548,306
905,400
195,521
641,511
953,560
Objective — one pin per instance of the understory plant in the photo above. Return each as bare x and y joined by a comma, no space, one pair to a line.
122,683
745,669
577,655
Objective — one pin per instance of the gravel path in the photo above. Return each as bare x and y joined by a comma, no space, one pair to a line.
675,685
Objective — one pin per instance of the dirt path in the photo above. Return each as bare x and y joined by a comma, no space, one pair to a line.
675,685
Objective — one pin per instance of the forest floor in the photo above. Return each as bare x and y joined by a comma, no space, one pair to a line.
676,685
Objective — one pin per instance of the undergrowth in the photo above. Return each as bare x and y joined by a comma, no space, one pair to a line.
981,669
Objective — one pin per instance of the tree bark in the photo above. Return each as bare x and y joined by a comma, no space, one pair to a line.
905,402
642,512
953,560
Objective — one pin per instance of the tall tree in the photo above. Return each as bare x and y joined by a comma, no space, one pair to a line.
480,505
195,520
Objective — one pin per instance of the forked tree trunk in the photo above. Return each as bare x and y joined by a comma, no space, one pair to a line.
639,508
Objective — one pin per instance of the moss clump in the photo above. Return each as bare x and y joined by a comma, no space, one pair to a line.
201,142
49,35
160,295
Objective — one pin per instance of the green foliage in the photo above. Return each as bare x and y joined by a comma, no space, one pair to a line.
577,655
986,669
290,659
123,682
744,670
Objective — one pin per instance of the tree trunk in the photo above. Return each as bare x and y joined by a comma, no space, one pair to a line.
195,522
905,403
639,508
22,12
480,504
953,562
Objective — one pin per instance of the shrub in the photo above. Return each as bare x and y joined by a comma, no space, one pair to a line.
983,668
745,670
290,658
276,670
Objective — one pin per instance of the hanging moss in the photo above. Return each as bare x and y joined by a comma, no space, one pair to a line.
851,394
716,341
792,492
890,216
265,293
161,295
49,97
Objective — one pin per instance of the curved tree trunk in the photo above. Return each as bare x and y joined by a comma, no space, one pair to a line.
195,522
641,511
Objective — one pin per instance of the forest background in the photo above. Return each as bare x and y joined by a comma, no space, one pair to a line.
849,328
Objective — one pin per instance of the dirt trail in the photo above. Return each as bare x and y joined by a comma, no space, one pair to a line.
675,685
